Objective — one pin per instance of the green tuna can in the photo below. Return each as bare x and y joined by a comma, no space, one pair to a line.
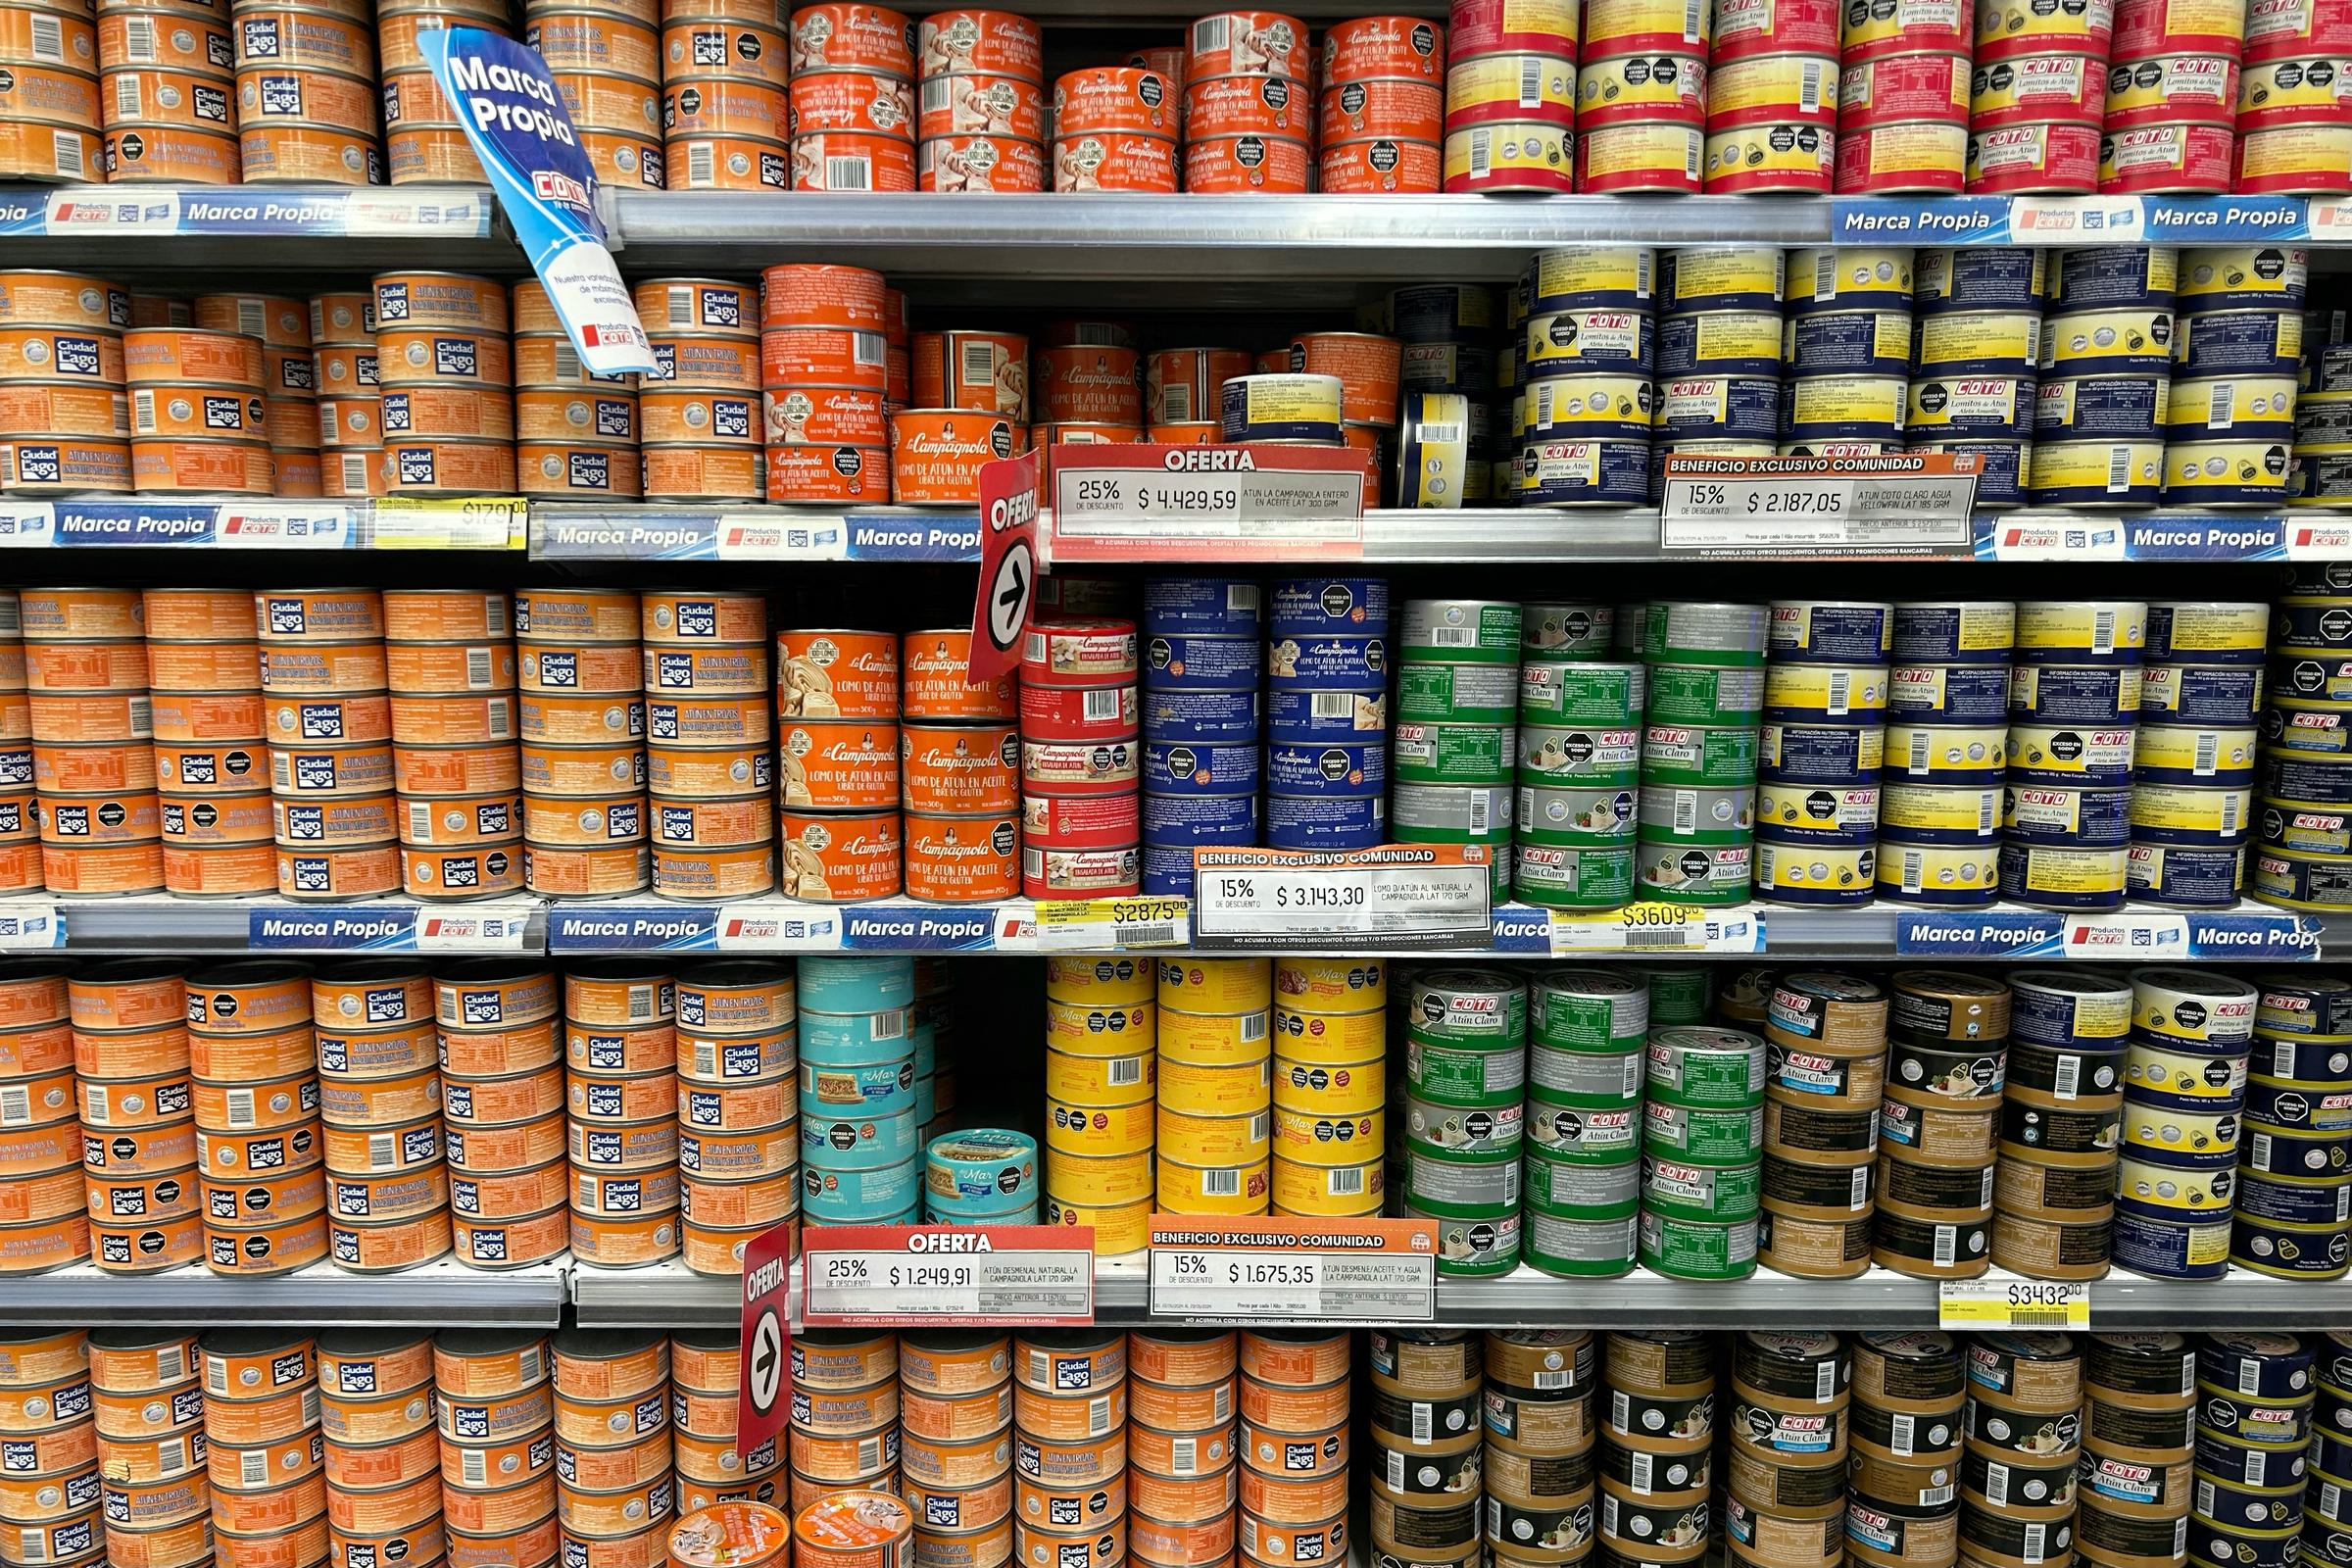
1689,753
1558,878
1565,1189
1456,693
1573,1137
1588,1009
1692,813
1473,1247
1460,1185
1712,874
1588,756
1480,1008
1567,630
1475,1132
1555,691
1716,1195
1576,818
1677,992
1464,1075
1701,633
1702,1136
1706,1068
1691,1249
1702,694
1469,631
1580,1248
1452,754
1457,813
1594,1080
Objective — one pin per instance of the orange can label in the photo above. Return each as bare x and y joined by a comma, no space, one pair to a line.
852,37
591,720
699,473
586,873
497,1513
432,357
962,859
512,1243
507,1196
428,770
427,668
219,869
93,667
177,717
66,411
80,615
196,822
739,1205
175,356
45,1048
93,769
60,299
565,667
53,354
203,666
102,868
835,859
837,674
259,1056
838,766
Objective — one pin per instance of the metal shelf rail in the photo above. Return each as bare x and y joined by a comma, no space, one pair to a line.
437,1295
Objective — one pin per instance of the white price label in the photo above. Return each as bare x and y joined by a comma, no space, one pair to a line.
1112,925
1656,928
1148,502
1394,906
475,930
1259,1286
1910,514
882,1286
2132,935
1998,1300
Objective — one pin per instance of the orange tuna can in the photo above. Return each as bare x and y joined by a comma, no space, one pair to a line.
642,1147
1106,100
261,1056
985,373
839,859
636,1240
936,454
824,416
201,822
586,873
1379,165
265,1251
257,1108
827,102
156,1149
837,674
322,668
961,769
225,1156
693,472
403,1195
1090,385
973,161
706,773
577,616
85,666
103,870
504,1196
473,1466
580,720
172,355
428,770
962,859
51,354
437,412
575,413
284,324
473,872
124,995
428,468
994,106
47,1048
816,474
96,769
822,356
93,411
256,1200
1246,105
219,870
43,1199
846,160
452,720
63,467
844,765
852,37
703,418
511,1243
585,667
35,298
426,668
432,299
213,667
98,818
619,1048
818,295
391,1246
935,666
362,1362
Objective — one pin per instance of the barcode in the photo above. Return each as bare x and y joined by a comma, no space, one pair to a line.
1481,811
2330,1494
1212,33
1693,12
1685,812
1899,1434
355,472
866,348
168,1367
1440,434
1690,149
705,1059
142,715
15,1105
1643,261
1331,705
249,317
1825,276
382,1151
216,1377
1396,1459
869,1454
126,95
2225,397
1947,1240
977,361
473,1466
1176,402
848,173
1182,1454
641,1002
1654,937
1643,1477
567,359
1259,1125
1098,1416
1918,751
1221,1184
1996,1483
702,162
528,1363
2035,1533
98,1109
1531,82
586,1202
477,669
142,411
2038,1318
1254,1027
501,718
2207,743
2228,811
240,1107
1425,1423
1860,1197
1913,870
935,93
49,37
1481,152
32,1545
1839,681
420,823
1560,1379
1989,812
1808,93
1347,1181
65,151
1125,1071
890,1025
2119,469
681,306
171,1455
253,1467
1101,702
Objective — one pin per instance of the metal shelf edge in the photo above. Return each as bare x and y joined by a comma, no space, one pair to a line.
437,1295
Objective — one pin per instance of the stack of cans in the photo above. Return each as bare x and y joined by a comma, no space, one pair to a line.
2022,1426
503,1098
1978,345
1696,843
608,69
1464,1084
2193,765
2054,1181
1248,104
1069,1390
704,426
1579,747
496,1409
170,121
2294,1197
1426,1474
713,832
289,411
1902,103
619,1026
2108,340
261,1403
850,122
615,1487
1793,1413
450,658
1330,1030
1079,741
1537,1450
1847,350
1203,665
373,1027
447,374
703,1412
2236,358
703,49
1520,139
2173,101
199,422
1702,1148
736,1128
138,1397
423,143
982,114
861,1155
1589,349
960,1491
1213,1029
2184,1098
1941,753
1827,685
824,362
1455,745
369,1443
332,764
71,424
1825,1043
2323,412
1641,101
1295,1394
256,1102
1657,1418
136,1099
1384,104
2258,1400
575,432
350,405
1587,1041
1905,1434
306,98
1116,127
2304,791
204,672
1719,353
1326,752
1183,1474
1771,103
1111,1073
2073,705
581,715
2036,101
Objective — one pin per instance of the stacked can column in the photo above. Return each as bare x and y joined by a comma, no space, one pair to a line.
289,411
2054,1181
614,1488
1718,389
1826,1064
1846,344
1295,1395
1455,1147
1772,101
1383,105
1786,1472
582,716
62,387
2230,429
2107,351
1248,104
450,661
2173,101
1902,1504
1903,101
608,70
1944,747
575,432
1184,1478
1455,742
2073,705
1587,1035
847,1402
1972,364
1696,840
705,1373
960,1487
1106,1074
1934,1175
86,678
332,766
981,116
708,49
1328,717
136,1396
2192,778
2185,1096
2303,789
129,1082
837,768
374,1030
256,1100
1069,1390
704,334
351,425
1589,348
1212,1030
823,351
376,1447
1538,1443
714,835
1448,376
496,1407
1578,745
1331,1088
1702,1143
1829,676
1425,1493
261,1405
2258,1400
1657,1421
58,138
306,98
503,1100
150,1390
423,142
860,1154
204,670
852,120
1116,127
1203,665
169,120
1079,742
2292,1202
2139,1434
2036,100
620,1046
1641,101
62,1511
2024,1426
447,375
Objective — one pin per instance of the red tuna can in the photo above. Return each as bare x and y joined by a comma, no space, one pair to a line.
2037,90
2294,93
837,37
1479,28
987,43
2054,160
1902,88
1246,105
1115,161
984,106
1383,46
844,159
1778,157
1248,43
1246,165
2148,27
1643,155
1902,156
2289,29
2172,90
1663,88
1082,821
1115,98
1404,110
1772,89
956,163
2165,159
1745,27
1380,167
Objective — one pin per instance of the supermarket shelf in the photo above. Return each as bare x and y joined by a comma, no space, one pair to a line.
112,523
670,1296
166,924
160,232
438,1295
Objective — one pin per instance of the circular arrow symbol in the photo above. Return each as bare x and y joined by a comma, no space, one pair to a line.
766,1363
1009,595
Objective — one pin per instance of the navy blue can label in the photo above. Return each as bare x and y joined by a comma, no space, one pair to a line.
2090,276
1955,632
2238,342
2076,694
2064,1008
1950,694
1188,662
2132,407
1820,754
2298,778
2201,694
1185,768
1167,872
1847,342
2045,813
1189,819
2314,729
1737,408
1335,768
2181,876
1340,660
1983,278
1301,715
1186,715
1306,606
2295,1202
2172,1250
1323,823
1212,606
1567,474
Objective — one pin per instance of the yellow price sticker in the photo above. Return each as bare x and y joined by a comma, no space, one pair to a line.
1113,923
1997,1301
474,522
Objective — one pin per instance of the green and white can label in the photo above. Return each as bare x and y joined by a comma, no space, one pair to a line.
1688,873
1456,693
1468,814
1678,993
1459,1076
1568,1189
1555,691
1589,1010
1468,1006
1715,1193
1472,630
1574,817
1705,1068
1575,1248
1702,633
1560,878
1473,1130
1582,1137
1568,630
1590,1078
1601,756
1688,754
1452,754
1452,1182
1473,1246
1699,694
1703,1137
1692,1250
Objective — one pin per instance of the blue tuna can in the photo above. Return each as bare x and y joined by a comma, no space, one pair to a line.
836,1196
1342,662
1326,716
1181,662
831,1038
1731,408
1180,821
1985,278
1847,342
2131,408
1185,768
2179,1248
1209,607
1954,631
2057,814
2325,1201
2295,778
1337,769
1308,607
1324,823
2180,876
2074,693
1210,716
1821,753
830,983
880,1088
850,1142
1949,694
2201,694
